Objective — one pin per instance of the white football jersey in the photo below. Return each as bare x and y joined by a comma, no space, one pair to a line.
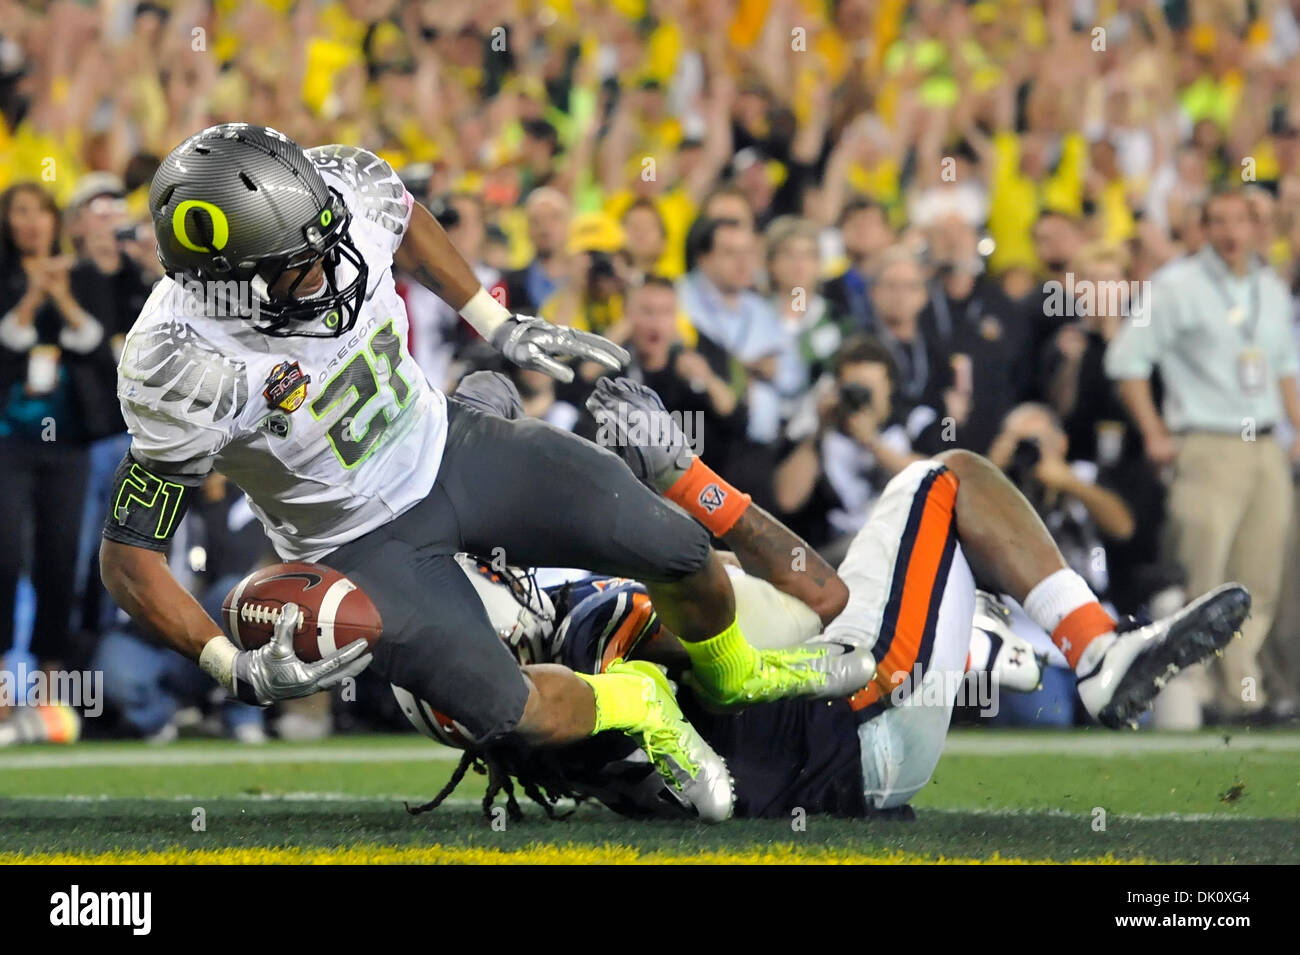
320,468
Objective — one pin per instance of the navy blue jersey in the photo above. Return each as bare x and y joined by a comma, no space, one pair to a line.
602,619
782,756
788,755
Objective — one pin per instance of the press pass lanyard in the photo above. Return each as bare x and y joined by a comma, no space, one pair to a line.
1252,365
1245,321
918,370
943,313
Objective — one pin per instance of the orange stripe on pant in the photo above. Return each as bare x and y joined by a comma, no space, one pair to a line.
918,584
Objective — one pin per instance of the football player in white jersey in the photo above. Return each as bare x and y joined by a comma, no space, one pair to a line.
276,353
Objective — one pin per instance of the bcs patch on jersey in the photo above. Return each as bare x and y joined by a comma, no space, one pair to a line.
712,497
286,386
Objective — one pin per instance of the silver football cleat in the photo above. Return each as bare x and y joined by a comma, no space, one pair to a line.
695,775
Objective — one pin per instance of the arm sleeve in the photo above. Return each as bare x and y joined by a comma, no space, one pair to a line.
1006,153
1288,363
85,339
1137,348
1064,189
15,337
152,487
1286,360
148,503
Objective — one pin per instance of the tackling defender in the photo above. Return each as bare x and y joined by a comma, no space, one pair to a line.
277,354
910,599
781,755
901,568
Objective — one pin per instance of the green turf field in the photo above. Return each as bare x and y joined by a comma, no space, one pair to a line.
996,796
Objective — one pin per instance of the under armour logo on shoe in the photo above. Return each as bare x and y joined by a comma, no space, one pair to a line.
712,497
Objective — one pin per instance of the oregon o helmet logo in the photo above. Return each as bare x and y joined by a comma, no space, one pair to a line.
220,227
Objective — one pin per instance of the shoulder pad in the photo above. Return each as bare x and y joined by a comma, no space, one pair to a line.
378,191
169,363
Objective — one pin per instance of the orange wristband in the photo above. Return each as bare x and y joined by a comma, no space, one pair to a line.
707,498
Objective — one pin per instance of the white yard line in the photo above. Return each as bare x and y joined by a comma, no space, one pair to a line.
462,802
1103,743
196,799
1092,743
1087,816
257,755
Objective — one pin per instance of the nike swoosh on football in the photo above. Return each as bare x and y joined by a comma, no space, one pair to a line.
312,579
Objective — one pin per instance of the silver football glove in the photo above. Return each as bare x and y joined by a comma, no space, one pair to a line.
535,344
633,421
274,672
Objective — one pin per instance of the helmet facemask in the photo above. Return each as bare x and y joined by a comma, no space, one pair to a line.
333,309
520,611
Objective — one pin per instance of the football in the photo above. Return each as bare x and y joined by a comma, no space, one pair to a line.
335,611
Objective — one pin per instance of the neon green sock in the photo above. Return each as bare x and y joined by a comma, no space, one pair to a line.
622,700
724,661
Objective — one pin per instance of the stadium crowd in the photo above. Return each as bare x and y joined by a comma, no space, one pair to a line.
835,234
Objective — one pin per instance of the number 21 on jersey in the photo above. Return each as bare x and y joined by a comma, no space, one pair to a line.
360,379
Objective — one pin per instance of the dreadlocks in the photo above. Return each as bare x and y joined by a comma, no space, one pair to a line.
469,759
537,774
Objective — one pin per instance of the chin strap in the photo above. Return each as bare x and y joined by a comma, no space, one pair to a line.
260,289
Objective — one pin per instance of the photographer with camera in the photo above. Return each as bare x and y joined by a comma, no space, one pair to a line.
117,259
849,442
1031,449
591,297
1082,517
